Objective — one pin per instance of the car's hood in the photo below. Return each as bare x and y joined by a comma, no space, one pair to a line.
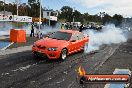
48,42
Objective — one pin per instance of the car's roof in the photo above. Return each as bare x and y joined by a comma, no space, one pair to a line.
70,31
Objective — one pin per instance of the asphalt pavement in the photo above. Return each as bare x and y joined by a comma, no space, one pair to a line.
22,70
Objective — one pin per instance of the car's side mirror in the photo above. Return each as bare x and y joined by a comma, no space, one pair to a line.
72,40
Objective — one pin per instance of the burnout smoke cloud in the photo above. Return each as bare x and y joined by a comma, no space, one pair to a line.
109,35
5,28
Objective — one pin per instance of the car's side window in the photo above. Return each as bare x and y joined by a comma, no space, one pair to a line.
74,37
80,36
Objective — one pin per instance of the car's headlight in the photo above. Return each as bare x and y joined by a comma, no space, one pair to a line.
52,49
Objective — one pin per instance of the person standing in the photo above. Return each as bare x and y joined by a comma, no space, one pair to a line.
62,27
32,30
66,25
81,28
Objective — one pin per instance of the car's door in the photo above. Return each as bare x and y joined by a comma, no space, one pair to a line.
73,43
81,41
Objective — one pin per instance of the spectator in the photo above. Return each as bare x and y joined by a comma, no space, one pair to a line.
81,28
66,26
32,30
62,27
70,26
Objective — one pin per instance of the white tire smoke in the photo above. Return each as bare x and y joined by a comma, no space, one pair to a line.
109,35
7,26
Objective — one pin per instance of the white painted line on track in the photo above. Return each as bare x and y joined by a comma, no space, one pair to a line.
7,46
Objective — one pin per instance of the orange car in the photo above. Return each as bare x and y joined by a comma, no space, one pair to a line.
60,44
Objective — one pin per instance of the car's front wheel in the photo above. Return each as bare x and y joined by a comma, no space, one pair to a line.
36,55
63,54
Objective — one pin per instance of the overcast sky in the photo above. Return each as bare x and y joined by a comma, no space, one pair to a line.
123,7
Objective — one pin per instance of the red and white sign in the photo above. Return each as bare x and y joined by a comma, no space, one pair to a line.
118,78
22,18
15,18
6,17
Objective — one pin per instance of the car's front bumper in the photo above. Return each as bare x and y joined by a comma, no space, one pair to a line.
46,53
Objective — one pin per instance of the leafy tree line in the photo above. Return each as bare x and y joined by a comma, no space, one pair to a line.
67,15
32,9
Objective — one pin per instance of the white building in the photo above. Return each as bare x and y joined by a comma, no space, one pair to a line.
50,15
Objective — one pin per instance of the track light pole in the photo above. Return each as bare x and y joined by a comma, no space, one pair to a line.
40,19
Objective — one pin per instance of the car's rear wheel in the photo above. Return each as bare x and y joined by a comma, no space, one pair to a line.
85,47
63,54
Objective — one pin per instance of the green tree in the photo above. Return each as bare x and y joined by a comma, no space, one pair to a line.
117,19
66,13
23,10
77,16
106,19
14,9
1,5
34,8
85,18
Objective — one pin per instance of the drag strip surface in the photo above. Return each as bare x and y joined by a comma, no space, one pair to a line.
22,70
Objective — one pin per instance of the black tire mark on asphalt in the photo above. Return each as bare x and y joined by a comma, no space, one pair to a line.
70,61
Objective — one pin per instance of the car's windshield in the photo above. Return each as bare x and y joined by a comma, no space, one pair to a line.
61,35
